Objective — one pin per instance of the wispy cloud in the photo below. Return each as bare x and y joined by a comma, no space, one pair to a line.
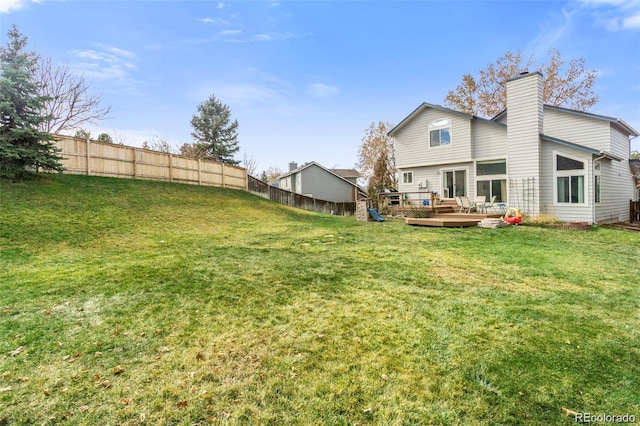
557,27
614,15
107,63
320,90
214,21
8,6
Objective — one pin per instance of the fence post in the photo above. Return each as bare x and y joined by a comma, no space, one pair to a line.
199,171
88,157
170,168
223,172
135,162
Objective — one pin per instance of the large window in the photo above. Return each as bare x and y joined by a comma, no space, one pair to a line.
440,132
570,177
492,180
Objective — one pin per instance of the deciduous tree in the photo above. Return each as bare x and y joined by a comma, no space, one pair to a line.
68,101
23,145
568,85
215,134
376,158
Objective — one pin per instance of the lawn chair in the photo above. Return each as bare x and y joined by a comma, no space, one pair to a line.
486,207
459,203
466,204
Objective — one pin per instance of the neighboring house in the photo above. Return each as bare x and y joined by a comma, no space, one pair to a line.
541,159
352,175
313,180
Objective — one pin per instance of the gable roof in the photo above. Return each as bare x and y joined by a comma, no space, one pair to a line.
346,173
426,105
618,121
313,163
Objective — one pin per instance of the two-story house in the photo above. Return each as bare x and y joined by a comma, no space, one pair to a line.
313,180
538,158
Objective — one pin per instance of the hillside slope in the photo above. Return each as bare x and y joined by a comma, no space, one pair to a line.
130,302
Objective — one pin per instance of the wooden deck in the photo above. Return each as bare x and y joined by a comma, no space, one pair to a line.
450,220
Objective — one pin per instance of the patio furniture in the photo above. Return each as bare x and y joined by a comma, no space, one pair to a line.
459,203
466,204
486,206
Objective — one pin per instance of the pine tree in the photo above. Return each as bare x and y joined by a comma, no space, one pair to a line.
22,146
215,135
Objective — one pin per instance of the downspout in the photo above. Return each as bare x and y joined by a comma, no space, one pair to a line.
593,174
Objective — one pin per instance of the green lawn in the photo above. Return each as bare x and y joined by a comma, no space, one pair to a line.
125,302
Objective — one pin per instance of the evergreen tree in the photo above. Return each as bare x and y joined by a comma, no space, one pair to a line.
215,135
22,145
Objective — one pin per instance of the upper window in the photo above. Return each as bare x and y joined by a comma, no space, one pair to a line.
564,163
440,132
494,167
407,177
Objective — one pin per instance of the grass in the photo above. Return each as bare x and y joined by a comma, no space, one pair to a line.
128,302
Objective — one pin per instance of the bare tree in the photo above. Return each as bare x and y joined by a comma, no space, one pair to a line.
69,104
160,144
250,164
271,173
564,86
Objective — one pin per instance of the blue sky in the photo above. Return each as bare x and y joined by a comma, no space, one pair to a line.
306,78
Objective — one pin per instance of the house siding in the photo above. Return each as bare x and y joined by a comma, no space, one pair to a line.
432,177
489,142
412,141
318,183
524,125
574,128
564,211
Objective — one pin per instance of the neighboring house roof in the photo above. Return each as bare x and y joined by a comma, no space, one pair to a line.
346,173
620,122
426,105
313,163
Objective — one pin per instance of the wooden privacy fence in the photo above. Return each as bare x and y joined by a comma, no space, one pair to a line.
634,211
89,157
257,187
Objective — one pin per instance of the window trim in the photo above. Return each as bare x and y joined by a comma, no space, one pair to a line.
438,125
570,173
406,181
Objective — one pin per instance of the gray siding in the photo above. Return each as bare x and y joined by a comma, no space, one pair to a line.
318,183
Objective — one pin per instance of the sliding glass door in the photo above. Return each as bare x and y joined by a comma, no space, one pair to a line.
454,183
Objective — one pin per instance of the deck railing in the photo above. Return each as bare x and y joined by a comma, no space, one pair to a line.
634,211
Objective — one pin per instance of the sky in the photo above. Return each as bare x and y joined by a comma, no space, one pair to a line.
305,79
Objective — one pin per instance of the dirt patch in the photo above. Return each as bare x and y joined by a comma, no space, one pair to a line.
578,226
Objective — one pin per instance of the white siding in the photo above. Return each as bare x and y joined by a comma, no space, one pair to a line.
589,132
489,142
524,121
412,141
564,211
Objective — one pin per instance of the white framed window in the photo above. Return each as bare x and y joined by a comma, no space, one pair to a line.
407,177
440,132
570,175
491,179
